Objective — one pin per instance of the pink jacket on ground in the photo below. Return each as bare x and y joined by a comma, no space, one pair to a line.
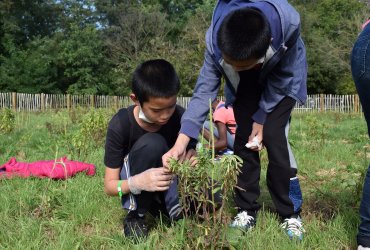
62,168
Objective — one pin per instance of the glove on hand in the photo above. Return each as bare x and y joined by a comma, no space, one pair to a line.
151,180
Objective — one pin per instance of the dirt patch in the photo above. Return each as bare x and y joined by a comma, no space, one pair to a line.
87,229
327,172
322,208
49,233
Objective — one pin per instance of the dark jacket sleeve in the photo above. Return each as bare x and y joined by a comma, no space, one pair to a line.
288,78
193,141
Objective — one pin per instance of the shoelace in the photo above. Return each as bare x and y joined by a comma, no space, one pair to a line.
294,225
242,219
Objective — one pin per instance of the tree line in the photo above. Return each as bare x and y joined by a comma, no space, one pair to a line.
92,46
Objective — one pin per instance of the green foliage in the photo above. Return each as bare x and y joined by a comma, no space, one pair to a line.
83,61
178,12
26,20
60,124
91,132
7,121
29,70
330,135
329,29
201,188
191,47
318,129
334,16
77,214
93,46
136,34
56,48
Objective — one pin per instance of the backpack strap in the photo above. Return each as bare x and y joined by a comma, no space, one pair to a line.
293,38
131,117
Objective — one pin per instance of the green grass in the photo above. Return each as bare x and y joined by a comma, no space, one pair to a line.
76,213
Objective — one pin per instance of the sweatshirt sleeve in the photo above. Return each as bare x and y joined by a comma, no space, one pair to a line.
205,90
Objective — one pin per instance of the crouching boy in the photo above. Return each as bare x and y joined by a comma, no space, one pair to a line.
137,138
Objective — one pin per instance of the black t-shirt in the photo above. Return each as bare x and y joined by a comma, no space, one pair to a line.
124,131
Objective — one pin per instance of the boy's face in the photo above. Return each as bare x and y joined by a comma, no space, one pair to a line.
244,64
159,109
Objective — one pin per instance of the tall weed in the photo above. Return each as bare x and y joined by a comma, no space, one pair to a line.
7,121
90,133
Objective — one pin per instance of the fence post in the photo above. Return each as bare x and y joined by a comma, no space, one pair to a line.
92,103
42,102
115,98
14,101
357,104
321,102
68,101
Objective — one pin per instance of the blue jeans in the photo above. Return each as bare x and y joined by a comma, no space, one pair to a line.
363,236
360,65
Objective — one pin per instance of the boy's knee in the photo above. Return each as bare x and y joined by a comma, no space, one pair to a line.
152,144
272,135
147,153
268,135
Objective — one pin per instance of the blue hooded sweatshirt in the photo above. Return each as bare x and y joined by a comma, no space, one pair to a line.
284,71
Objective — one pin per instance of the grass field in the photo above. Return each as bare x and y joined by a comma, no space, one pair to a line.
332,151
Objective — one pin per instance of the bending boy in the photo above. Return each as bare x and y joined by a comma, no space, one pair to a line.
137,137
256,47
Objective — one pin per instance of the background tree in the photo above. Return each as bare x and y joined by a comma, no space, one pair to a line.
93,46
329,29
26,53
53,47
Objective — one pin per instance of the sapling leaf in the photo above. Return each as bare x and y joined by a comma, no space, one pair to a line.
215,190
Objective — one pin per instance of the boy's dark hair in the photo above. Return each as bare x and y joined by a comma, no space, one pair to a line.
155,78
244,34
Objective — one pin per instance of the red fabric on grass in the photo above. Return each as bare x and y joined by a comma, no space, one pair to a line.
62,168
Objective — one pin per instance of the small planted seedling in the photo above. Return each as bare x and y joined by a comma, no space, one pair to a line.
204,192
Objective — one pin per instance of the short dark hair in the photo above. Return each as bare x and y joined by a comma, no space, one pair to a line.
244,34
154,78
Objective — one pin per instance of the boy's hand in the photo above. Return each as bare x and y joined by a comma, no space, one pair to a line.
191,157
178,151
256,135
151,180
255,143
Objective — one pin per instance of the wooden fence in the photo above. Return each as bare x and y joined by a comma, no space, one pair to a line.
43,102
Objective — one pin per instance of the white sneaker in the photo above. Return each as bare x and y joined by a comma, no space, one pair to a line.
243,221
293,227
363,248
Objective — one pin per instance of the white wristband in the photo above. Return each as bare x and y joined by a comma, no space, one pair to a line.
133,190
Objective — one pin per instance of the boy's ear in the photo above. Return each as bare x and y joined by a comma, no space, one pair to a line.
134,99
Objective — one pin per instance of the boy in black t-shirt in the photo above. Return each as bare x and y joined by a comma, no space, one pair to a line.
137,138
